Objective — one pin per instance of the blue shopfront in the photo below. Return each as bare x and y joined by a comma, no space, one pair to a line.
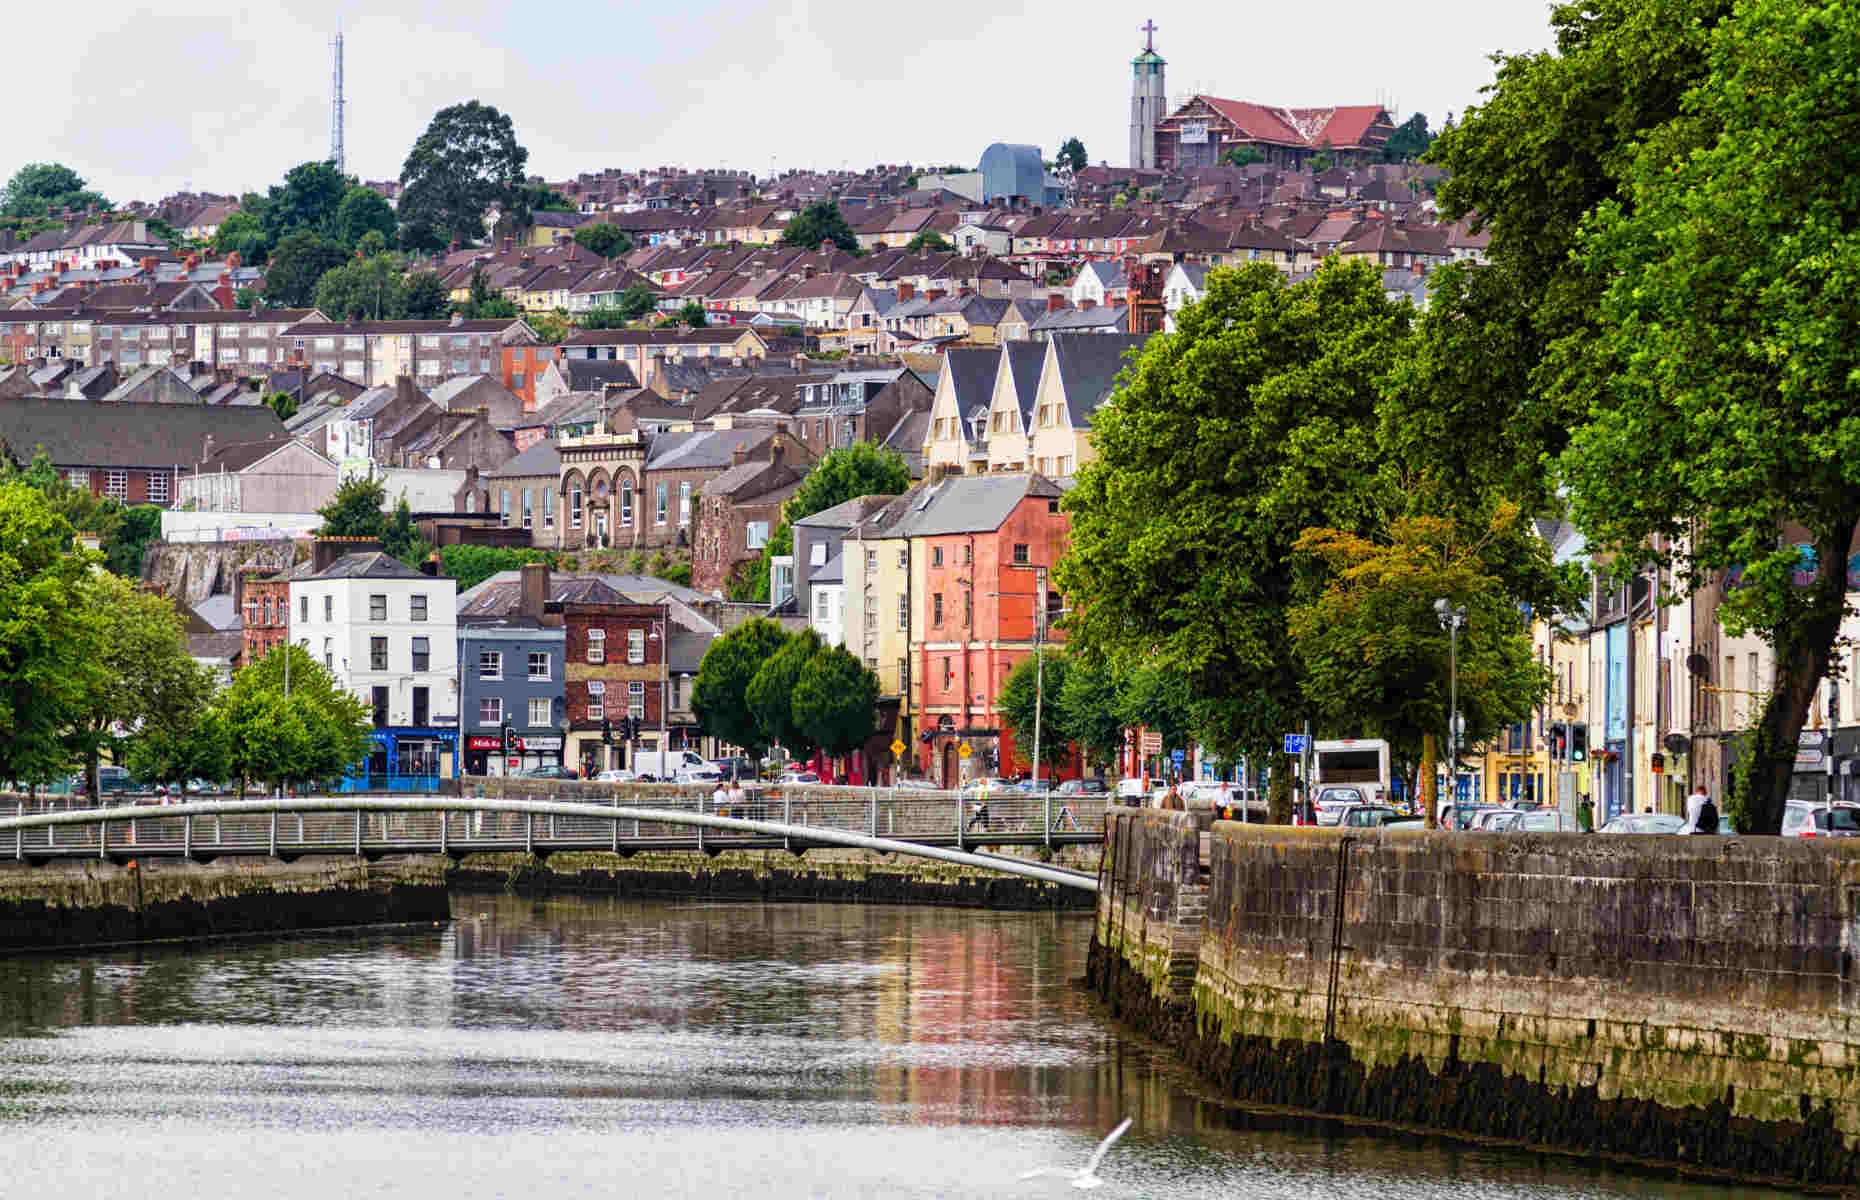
405,759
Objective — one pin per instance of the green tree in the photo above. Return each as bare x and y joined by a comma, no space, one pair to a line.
861,469
145,678
771,691
929,241
401,538
363,211
282,403
38,188
465,162
422,237
719,695
298,262
1089,697
1242,156
308,199
49,636
1072,156
1026,699
356,510
1159,699
693,314
1253,422
243,233
78,507
248,298
472,565
1409,142
426,297
317,732
1725,373
123,546
820,222
836,701
484,301
635,302
370,289
604,239
199,748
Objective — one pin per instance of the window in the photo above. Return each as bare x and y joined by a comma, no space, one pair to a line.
871,560
597,699
503,508
949,670
422,654
416,607
116,484
684,502
158,488
820,604
636,645
539,712
381,707
936,610
490,711
904,560
757,534
968,555
422,708
968,610
329,654
303,608
377,607
527,517
1020,553
817,554
377,654
574,507
490,664
626,502
516,380
660,499
936,556
636,699
904,612
548,508
329,608
78,479
597,645
539,664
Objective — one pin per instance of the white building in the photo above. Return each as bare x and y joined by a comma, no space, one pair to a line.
827,591
389,634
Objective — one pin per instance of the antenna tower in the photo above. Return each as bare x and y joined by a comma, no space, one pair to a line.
335,103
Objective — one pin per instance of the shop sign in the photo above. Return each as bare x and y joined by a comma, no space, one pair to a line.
539,743
484,743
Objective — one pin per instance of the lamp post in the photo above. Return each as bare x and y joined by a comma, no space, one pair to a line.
665,644
1039,659
1451,619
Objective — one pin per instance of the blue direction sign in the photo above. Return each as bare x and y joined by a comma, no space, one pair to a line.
1178,756
1295,743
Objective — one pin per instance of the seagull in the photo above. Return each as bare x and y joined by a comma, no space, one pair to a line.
1086,1177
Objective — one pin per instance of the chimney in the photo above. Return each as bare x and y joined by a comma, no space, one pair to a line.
739,456
326,550
1055,302
508,243
453,248
403,389
457,320
827,246
431,567
206,449
535,592
906,291
775,452
934,294
148,264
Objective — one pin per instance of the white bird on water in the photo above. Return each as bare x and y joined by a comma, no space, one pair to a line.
1086,1177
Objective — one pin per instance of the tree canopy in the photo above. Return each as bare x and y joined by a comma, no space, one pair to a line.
298,263
372,289
836,700
1242,156
927,241
1071,156
466,161
847,473
771,693
1025,700
820,222
1410,140
363,211
426,297
318,732
603,239
308,199
719,694
37,189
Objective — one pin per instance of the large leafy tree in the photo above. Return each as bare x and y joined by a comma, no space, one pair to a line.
50,637
1033,693
1726,377
363,210
1088,696
316,732
604,239
298,263
356,510
243,233
1253,422
363,289
820,222
146,680
836,701
124,545
1072,156
861,469
1410,140
309,198
467,161
771,693
426,296
720,694
38,188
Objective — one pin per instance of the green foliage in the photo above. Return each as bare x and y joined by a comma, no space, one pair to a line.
298,262
316,733
485,302
861,469
1409,142
1320,162
426,297
1025,696
248,298
820,222
1253,422
308,199
50,635
466,161
1242,156
38,188
421,237
927,242
635,302
472,565
552,327
356,509
678,573
719,695
836,701
244,233
693,314
282,403
1089,700
76,506
361,212
1072,156
771,691
124,544
1158,698
402,539
604,239
370,289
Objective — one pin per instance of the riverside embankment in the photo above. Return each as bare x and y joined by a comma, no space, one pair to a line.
1687,1001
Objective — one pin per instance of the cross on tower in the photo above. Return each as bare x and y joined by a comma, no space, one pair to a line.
1149,36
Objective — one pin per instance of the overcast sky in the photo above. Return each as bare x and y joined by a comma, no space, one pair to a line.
144,100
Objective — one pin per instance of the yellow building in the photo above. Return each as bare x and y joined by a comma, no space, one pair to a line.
877,613
1078,376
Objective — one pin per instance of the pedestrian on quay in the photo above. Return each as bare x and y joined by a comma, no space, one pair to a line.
980,816
1585,814
719,799
1701,813
739,800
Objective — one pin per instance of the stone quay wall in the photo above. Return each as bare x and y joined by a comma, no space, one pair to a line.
1680,1001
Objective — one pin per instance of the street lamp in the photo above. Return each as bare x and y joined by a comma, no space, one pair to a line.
1451,619
1039,661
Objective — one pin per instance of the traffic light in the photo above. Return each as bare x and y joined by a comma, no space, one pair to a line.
607,732
1559,742
1578,742
505,734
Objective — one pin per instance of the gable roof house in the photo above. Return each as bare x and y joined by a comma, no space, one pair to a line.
1011,403
959,413
1077,377
277,474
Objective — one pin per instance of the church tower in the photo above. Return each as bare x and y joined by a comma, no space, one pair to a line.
1146,100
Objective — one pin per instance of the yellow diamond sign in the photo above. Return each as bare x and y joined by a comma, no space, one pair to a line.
897,747
964,750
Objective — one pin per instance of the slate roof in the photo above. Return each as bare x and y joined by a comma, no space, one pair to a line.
833,571
1024,362
119,434
372,564
846,514
968,504
594,374
1088,367
972,375
237,456
702,450
541,459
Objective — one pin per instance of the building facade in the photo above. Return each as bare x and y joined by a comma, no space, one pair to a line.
616,667
511,674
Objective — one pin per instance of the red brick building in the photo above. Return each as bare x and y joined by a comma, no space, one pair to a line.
616,668
266,605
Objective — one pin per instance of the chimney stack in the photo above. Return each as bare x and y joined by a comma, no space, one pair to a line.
906,291
535,591
1055,301
935,294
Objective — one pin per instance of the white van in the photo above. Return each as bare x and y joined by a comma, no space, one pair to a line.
665,765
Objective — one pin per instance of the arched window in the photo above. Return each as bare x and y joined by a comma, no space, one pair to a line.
626,502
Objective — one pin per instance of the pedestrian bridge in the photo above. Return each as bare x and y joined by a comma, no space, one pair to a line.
931,825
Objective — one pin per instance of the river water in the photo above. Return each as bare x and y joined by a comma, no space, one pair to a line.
574,1048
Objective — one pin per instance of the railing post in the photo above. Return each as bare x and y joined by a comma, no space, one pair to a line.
787,818
873,823
358,833
187,837
1047,823
103,839
19,835
273,844
616,835
445,822
529,833
961,842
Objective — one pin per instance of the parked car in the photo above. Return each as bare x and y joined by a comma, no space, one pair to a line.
793,778
1366,816
615,775
1657,823
548,771
1802,819
1542,820
737,768
703,774
1496,820
918,785
1082,787
1332,801
1406,823
1461,817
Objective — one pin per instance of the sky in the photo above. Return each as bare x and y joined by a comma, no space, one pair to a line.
144,101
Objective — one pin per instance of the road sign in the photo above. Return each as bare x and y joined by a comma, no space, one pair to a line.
1152,743
897,747
964,750
1811,750
1295,743
1178,756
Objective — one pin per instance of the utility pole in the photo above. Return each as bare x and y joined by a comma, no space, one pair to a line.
1039,666
1451,618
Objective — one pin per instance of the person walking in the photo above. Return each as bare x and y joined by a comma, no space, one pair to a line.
1701,813
1585,814
980,816
738,799
718,799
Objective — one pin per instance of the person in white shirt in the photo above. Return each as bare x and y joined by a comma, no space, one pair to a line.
738,800
718,798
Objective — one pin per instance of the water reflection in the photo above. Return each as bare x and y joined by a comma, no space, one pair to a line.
581,1047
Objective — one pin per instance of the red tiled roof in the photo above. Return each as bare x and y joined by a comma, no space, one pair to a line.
1342,127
